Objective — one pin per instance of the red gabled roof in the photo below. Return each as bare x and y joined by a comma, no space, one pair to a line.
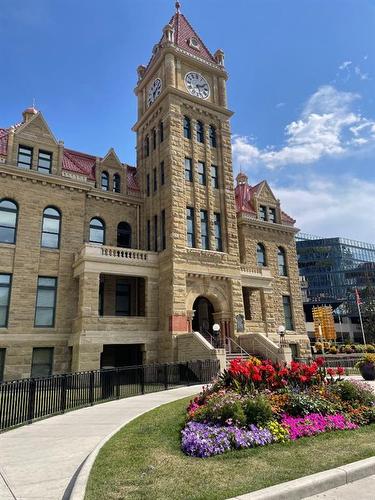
3,141
81,163
131,178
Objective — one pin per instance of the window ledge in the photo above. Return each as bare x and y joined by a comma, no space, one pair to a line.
7,245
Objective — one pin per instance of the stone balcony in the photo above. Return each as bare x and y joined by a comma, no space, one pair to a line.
256,277
115,260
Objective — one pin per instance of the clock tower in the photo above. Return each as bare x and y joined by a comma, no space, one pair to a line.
184,162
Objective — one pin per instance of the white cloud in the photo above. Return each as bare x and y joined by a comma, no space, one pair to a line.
280,104
359,72
328,126
325,207
345,65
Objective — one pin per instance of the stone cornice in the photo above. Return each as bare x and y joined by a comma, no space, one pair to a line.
268,226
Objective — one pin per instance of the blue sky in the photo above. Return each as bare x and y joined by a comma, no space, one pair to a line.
302,76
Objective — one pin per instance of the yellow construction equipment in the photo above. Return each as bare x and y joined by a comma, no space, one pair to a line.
324,324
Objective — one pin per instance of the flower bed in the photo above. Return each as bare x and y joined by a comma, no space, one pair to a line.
256,403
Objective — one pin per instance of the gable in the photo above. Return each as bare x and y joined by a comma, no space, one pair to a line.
265,194
111,160
36,130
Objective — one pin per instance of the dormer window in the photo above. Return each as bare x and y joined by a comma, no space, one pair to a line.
193,42
272,215
263,212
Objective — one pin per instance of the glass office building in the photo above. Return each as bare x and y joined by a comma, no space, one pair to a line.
334,268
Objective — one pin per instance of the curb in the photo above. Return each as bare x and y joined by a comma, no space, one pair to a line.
315,483
76,489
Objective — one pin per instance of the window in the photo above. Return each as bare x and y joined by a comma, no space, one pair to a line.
161,131
246,295
261,255
2,363
147,146
288,313
155,233
116,183
25,157
162,174
124,235
214,177
262,212
5,285
163,238
212,136
188,170
45,302
44,162
42,362
155,180
148,235
101,297
105,181
272,215
187,128
218,235
8,221
205,241
201,173
122,299
97,231
51,228
148,184
154,138
281,260
190,227
200,132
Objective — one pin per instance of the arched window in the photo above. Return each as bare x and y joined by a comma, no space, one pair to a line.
212,136
154,138
147,146
261,255
97,231
105,181
161,132
200,132
187,127
116,183
51,228
124,235
8,221
281,261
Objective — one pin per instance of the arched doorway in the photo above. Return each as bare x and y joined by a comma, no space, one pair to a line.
203,317
124,235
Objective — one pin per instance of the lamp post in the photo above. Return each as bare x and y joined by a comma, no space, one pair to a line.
216,332
281,332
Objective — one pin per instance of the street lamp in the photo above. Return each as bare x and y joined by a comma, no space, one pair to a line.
281,332
215,331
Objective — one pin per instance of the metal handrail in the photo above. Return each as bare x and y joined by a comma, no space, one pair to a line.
242,350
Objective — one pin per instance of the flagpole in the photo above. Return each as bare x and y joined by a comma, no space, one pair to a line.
358,300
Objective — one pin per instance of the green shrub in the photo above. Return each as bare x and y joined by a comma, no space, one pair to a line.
258,410
301,404
370,348
221,408
354,392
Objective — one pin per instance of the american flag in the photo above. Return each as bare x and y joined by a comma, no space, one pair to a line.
357,297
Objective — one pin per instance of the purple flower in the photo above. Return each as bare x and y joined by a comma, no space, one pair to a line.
315,423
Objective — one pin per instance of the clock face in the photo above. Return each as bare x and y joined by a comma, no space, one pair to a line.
154,91
197,85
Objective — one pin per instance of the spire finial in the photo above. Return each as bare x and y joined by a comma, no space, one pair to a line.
178,7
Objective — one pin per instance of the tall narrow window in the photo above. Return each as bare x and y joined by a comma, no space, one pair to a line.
272,215
261,255
44,162
262,212
123,298
187,127
101,297
148,184
124,235
161,131
214,177
42,362
8,221
190,227
212,136
200,132
188,170
205,240
155,180
162,174
147,146
116,183
281,260
155,233
163,235
51,228
288,317
201,173
154,138
97,231
105,181
246,296
148,235
5,285
2,363
45,302
218,233
25,157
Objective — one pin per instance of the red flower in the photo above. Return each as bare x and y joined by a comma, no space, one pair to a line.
320,361
340,370
303,378
331,371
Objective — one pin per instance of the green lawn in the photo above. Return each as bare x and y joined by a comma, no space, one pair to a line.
144,461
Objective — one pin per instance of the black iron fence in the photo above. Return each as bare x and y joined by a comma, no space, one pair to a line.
25,400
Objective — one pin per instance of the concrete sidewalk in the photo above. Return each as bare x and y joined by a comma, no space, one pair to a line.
38,461
364,489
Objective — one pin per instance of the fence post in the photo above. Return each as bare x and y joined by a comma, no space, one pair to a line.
31,402
200,370
165,377
63,393
142,378
117,382
187,373
91,388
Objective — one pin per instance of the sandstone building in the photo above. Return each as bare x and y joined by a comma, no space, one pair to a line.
105,264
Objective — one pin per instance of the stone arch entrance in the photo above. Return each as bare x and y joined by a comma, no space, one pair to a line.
203,316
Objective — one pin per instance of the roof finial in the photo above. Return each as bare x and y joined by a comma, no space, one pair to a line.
34,102
178,6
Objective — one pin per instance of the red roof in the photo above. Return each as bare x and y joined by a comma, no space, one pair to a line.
3,141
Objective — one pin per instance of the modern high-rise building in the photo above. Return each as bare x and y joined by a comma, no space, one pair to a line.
105,264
